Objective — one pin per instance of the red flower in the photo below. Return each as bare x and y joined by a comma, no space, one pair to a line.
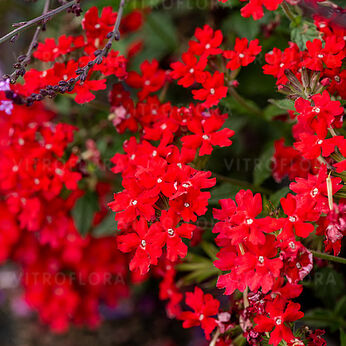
152,78
254,8
213,91
258,267
190,70
49,50
331,54
242,55
146,243
173,234
204,306
208,42
276,318
297,215
206,135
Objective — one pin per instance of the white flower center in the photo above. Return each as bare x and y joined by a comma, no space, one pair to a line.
147,82
278,321
134,202
320,56
298,265
154,153
186,205
205,137
21,141
143,243
292,245
207,46
191,70
282,64
316,110
314,192
159,180
320,142
170,232
212,91
292,218
15,168
241,55
201,317
261,259
249,221
97,26
37,181
59,171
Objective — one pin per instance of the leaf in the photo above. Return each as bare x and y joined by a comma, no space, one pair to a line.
342,337
272,111
210,249
284,104
243,27
276,196
106,228
262,169
83,212
225,190
302,33
328,285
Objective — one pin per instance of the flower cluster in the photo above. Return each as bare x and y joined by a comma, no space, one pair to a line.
64,275
262,251
63,76
200,55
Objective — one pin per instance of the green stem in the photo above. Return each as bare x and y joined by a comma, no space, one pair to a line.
244,103
328,257
289,14
34,21
242,183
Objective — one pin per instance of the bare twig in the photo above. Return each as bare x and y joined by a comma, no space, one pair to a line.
24,60
43,18
82,72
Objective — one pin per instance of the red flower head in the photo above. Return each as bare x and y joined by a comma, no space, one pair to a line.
276,318
204,306
213,90
243,54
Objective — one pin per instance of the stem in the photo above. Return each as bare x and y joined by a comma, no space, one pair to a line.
289,14
244,103
242,183
34,21
328,257
15,75
215,337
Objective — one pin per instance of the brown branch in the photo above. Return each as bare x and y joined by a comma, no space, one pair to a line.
41,19
24,60
82,72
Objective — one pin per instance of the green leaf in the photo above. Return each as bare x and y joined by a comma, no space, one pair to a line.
262,169
276,196
284,104
225,190
106,228
342,337
272,111
84,210
302,33
329,286
243,27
